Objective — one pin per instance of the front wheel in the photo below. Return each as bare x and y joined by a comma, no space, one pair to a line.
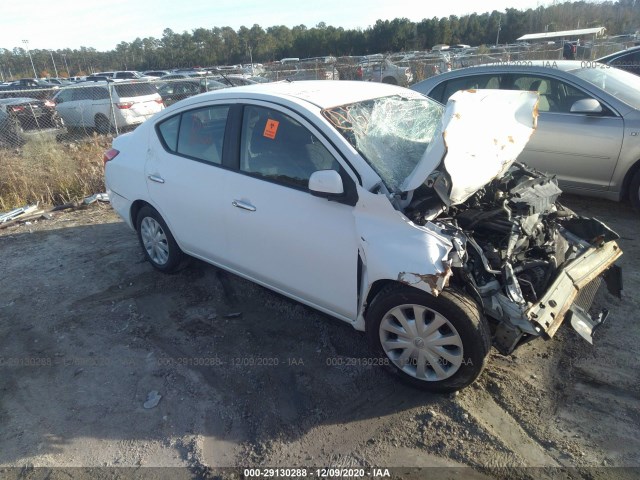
437,344
160,248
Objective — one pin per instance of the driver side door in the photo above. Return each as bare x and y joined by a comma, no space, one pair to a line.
279,233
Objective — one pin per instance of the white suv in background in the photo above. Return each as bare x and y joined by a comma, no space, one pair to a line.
104,105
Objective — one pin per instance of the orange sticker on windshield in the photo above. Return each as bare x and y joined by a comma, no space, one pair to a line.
271,128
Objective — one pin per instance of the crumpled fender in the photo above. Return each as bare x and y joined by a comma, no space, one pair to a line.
394,248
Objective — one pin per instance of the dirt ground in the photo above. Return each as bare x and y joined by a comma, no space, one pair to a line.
248,378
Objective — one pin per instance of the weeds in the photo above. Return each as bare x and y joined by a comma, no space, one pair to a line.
49,172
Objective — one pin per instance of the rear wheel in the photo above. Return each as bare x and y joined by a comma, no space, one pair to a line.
158,244
103,125
390,80
437,344
15,134
57,121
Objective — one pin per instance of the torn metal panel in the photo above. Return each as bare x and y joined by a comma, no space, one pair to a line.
394,248
550,311
5,217
482,133
433,282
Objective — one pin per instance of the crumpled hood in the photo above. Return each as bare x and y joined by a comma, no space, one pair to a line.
481,135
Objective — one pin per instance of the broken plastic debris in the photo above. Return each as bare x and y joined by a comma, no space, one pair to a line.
153,398
100,197
5,217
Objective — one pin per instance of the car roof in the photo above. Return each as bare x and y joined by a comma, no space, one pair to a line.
9,101
613,55
321,93
536,66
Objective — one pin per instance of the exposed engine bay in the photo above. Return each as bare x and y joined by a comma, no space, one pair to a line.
512,244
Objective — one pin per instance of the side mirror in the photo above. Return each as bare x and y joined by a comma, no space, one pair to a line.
326,184
586,105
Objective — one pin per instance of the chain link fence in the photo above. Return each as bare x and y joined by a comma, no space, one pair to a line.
57,123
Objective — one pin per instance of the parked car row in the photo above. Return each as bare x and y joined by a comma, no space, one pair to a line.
587,113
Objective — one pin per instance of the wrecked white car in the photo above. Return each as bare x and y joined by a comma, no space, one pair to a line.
373,204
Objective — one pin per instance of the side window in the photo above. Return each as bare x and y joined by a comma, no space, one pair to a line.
467,83
64,96
82,93
90,93
168,131
555,95
276,147
630,61
437,92
200,133
100,93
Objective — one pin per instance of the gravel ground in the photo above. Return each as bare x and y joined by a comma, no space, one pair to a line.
89,331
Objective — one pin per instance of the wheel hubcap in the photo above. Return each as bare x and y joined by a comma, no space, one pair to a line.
421,342
154,240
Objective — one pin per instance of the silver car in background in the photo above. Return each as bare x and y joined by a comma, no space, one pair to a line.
588,126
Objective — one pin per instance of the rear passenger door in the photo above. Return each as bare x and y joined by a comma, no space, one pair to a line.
187,179
89,101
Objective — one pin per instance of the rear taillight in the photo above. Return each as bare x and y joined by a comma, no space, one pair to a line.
17,108
124,105
159,100
110,155
49,103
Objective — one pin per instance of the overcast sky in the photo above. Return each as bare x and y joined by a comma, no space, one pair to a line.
56,24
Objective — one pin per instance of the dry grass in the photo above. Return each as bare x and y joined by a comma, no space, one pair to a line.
49,172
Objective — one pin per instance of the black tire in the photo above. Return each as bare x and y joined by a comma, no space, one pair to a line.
15,135
634,191
103,125
390,80
459,310
57,121
149,217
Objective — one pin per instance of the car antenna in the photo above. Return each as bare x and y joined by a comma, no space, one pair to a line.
225,77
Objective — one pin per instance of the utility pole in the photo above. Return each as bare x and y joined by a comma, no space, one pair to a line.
499,24
54,63
26,43
64,57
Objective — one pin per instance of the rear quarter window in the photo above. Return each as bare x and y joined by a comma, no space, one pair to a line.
127,90
168,132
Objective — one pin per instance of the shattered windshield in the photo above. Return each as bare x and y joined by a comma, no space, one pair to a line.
391,133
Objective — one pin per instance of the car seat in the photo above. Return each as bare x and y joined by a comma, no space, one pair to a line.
546,103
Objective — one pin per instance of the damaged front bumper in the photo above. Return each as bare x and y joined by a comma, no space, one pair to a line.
570,296
575,286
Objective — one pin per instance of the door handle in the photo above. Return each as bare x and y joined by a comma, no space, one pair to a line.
156,178
243,205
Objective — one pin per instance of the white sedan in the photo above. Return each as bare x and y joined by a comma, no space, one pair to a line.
375,205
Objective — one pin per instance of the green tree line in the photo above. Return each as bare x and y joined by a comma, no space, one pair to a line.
224,45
